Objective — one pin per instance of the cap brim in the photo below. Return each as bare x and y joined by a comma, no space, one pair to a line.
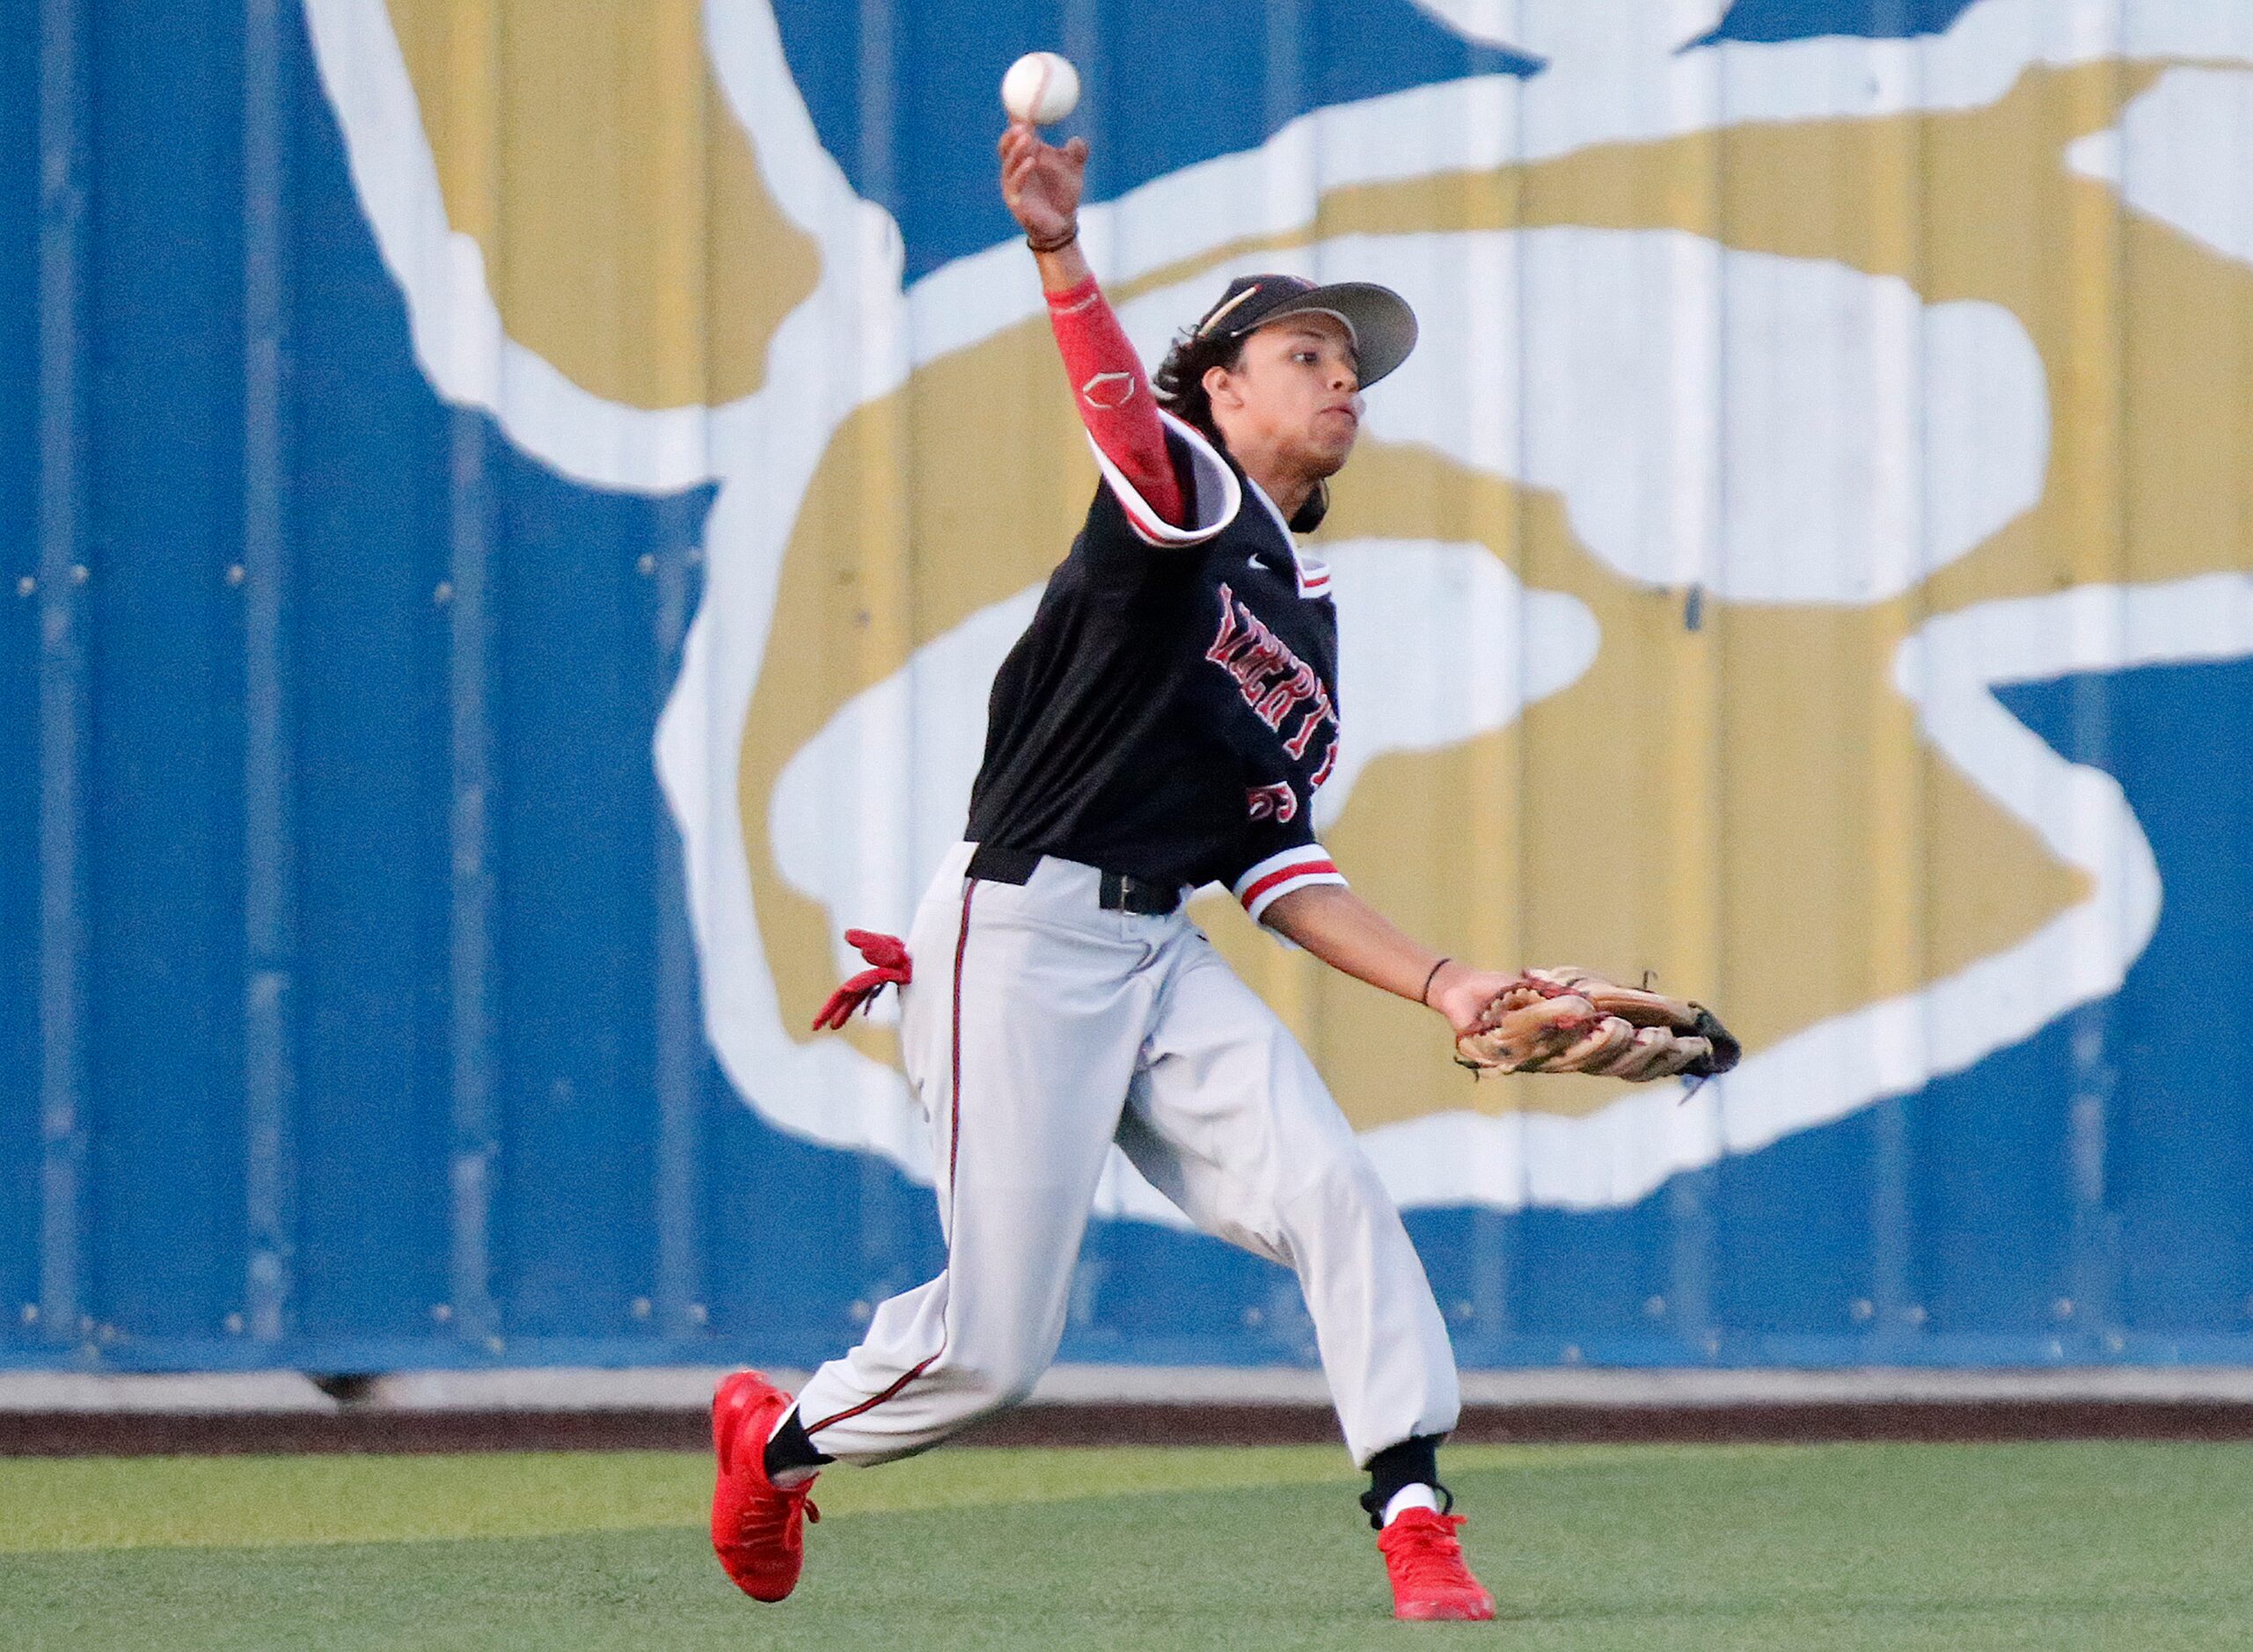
1383,327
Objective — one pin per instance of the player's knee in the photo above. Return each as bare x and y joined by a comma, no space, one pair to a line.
1343,1183
999,1378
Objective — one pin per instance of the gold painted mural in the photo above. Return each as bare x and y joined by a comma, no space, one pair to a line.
628,236
1746,809
1741,791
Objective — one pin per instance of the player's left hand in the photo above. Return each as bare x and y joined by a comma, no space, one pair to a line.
1462,994
1041,183
1569,1019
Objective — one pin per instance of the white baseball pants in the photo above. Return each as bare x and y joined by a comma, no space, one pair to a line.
1040,1029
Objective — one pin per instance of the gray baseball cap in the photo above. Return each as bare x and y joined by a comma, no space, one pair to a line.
1383,326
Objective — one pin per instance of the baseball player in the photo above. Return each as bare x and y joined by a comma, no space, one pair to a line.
1163,724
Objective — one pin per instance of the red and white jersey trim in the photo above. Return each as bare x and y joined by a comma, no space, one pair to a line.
1217,494
1277,875
1313,573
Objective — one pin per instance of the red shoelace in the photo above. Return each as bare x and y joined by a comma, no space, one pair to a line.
1425,1554
767,1518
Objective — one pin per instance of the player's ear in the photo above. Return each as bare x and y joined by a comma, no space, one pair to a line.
1215,381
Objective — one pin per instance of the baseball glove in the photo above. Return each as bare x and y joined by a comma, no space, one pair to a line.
1574,1020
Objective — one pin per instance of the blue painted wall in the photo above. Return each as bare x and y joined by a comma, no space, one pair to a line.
1805,19
1793,1254
1203,78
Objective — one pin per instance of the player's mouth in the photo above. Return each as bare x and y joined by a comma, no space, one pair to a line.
1352,418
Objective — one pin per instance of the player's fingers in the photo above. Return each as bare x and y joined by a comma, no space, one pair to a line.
1644,1058
1596,1047
1076,152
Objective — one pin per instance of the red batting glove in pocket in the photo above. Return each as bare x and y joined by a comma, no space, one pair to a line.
889,966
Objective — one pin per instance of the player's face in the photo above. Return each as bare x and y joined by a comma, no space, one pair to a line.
1295,393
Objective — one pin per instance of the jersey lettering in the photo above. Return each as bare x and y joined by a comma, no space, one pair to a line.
1275,682
1264,659
1221,782
1301,686
1256,658
1248,650
1298,743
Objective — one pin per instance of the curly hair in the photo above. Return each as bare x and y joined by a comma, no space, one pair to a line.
1180,382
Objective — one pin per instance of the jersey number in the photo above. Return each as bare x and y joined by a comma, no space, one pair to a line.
1276,803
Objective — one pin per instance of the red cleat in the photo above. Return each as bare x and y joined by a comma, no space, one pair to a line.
1426,1562
758,1530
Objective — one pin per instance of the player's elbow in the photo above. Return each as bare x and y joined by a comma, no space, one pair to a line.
1303,914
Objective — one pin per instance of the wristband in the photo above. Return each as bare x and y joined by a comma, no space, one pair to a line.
1424,996
1071,234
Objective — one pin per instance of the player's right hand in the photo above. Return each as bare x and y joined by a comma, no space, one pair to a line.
1041,183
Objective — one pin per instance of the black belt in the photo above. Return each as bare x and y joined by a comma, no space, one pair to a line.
1118,892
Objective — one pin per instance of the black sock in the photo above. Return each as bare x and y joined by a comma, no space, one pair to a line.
792,1448
1414,1461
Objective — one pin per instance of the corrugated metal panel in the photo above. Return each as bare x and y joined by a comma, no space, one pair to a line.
1808,558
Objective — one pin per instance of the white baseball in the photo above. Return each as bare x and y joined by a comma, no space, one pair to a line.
1041,87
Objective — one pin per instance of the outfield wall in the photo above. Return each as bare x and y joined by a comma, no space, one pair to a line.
509,512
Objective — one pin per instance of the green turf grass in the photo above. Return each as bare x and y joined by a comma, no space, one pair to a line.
2139,1548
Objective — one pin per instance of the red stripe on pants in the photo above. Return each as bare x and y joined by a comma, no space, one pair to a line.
954,1157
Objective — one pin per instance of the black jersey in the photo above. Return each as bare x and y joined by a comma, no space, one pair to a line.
1172,708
